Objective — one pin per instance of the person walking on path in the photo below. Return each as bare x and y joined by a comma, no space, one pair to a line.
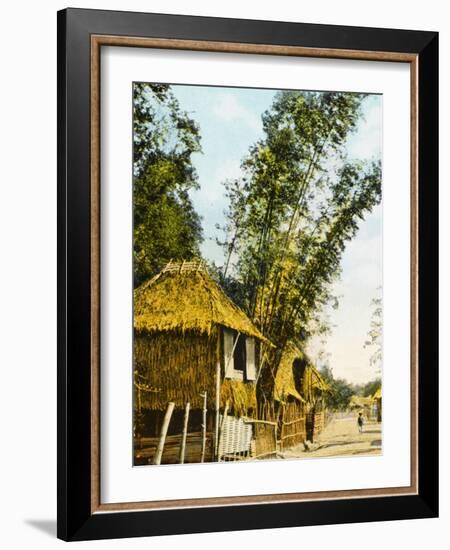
360,422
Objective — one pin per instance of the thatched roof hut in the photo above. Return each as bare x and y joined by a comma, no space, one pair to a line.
291,405
307,381
185,326
312,387
285,385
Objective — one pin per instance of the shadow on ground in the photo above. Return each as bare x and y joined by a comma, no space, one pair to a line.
335,444
47,526
365,452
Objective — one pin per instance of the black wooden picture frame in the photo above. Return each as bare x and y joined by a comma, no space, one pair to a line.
79,517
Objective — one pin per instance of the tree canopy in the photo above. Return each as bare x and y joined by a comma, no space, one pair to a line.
297,204
166,225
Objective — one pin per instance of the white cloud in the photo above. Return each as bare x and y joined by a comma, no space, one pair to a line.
228,108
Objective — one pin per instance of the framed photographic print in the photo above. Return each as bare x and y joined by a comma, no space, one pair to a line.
247,274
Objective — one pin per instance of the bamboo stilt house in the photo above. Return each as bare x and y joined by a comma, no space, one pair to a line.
192,344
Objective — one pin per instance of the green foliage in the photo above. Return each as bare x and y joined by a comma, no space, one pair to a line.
291,214
165,223
341,391
371,387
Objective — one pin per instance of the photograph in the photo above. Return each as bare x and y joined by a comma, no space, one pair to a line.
247,262
257,274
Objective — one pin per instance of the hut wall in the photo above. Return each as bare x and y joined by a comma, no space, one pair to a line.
292,424
180,367
177,367
149,422
314,424
265,438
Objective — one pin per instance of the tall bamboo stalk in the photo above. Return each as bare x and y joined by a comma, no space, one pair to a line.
184,435
202,456
162,437
224,417
216,431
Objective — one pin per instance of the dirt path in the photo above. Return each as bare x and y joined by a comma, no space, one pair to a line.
342,438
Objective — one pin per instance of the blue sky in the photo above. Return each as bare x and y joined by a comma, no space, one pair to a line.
230,122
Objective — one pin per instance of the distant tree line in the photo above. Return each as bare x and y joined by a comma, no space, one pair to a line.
341,392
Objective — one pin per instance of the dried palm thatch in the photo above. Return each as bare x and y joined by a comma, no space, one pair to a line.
184,298
241,397
317,380
178,318
377,394
180,367
176,367
284,379
308,382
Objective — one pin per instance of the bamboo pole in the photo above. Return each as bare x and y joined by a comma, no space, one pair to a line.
202,457
184,436
225,412
216,431
139,400
162,437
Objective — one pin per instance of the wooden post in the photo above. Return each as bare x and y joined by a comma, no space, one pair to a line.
162,437
225,412
216,431
202,457
184,436
139,400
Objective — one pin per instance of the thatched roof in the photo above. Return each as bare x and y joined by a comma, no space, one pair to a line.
305,383
377,394
357,401
318,380
240,396
284,379
182,298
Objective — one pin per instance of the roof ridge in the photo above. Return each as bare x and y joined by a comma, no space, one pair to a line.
184,266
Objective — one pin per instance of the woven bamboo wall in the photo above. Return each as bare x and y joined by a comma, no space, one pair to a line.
292,425
314,424
265,439
235,438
